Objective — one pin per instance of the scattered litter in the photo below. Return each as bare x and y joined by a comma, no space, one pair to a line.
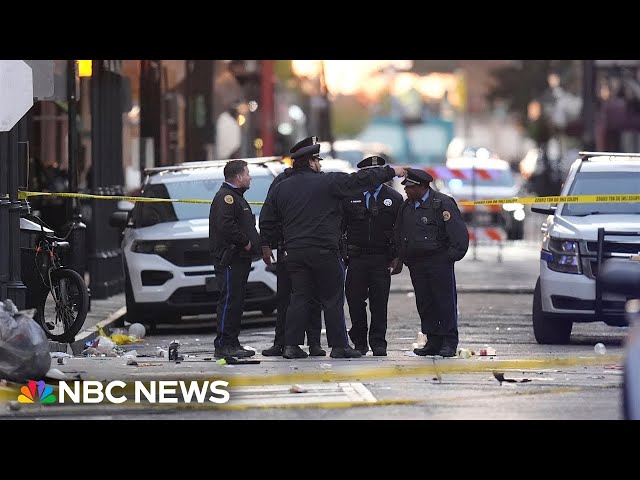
132,363
145,355
487,352
497,328
292,367
208,359
161,353
55,374
137,330
197,339
60,355
90,351
464,353
131,354
600,349
246,347
411,294
24,347
614,367
173,351
235,361
599,377
325,366
105,345
508,328
222,361
297,389
500,377
15,405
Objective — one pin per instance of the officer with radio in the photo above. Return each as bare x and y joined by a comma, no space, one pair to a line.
431,236
368,223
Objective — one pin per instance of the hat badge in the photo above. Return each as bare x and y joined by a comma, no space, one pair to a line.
374,160
314,140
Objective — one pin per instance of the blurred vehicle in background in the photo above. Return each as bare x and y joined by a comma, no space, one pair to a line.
421,143
493,180
579,240
353,151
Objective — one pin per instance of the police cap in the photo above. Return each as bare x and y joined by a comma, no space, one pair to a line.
308,146
373,161
416,176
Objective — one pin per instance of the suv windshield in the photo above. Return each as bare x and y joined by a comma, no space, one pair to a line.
147,214
597,183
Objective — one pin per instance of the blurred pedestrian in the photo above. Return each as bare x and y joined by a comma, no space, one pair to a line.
369,218
233,241
432,236
307,206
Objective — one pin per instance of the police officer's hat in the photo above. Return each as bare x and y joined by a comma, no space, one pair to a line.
373,161
415,176
308,146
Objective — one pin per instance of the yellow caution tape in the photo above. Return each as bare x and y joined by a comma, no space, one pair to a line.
625,198
559,199
23,195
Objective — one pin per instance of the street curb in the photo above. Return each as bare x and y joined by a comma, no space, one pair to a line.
78,345
515,290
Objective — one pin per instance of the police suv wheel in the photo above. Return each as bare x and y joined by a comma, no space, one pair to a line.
548,329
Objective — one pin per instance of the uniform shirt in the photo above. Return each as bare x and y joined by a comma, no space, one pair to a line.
365,229
308,205
422,200
436,227
275,238
231,222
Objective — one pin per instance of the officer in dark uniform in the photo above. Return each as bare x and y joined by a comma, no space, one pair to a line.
307,205
368,227
233,241
431,236
314,324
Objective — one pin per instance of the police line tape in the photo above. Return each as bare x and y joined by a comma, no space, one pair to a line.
625,198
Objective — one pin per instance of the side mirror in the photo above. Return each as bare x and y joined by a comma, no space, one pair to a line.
119,219
621,276
545,211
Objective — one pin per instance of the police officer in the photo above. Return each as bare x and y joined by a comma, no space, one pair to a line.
314,323
368,225
431,236
307,205
233,241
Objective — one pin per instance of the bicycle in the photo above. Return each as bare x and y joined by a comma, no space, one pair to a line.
62,308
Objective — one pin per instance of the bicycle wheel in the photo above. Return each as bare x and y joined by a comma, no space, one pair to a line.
62,320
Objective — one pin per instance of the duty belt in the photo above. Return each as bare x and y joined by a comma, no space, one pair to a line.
369,250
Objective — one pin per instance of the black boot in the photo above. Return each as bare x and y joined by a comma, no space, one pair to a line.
344,352
294,351
316,351
274,351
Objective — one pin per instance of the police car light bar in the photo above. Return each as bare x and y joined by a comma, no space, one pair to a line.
587,155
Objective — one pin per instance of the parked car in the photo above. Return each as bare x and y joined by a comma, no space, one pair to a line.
578,239
493,179
167,264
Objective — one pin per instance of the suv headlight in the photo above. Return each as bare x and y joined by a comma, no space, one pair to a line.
561,255
150,246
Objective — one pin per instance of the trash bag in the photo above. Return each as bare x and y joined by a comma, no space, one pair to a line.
24,347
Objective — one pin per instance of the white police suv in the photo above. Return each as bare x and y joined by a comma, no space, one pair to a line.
168,269
578,239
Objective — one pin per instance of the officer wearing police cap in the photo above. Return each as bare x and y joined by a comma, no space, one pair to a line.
432,236
308,207
368,223
314,322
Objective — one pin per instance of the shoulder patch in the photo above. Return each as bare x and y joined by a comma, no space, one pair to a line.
228,199
388,202
446,215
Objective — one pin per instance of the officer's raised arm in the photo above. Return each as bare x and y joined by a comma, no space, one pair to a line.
348,184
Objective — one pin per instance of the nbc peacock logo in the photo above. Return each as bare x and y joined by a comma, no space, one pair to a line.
36,392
